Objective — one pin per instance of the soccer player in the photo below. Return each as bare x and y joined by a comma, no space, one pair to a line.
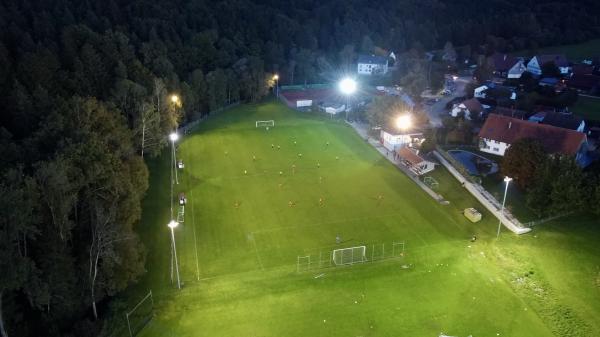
338,239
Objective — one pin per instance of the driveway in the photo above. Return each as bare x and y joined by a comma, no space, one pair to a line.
436,111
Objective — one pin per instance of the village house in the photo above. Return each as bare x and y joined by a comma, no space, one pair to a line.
470,108
372,65
506,66
499,132
561,120
534,65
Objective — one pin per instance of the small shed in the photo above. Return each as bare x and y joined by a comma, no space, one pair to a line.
472,214
414,162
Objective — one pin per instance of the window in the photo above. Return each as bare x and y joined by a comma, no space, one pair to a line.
496,149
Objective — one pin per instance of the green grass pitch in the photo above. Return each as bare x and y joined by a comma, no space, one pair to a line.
239,226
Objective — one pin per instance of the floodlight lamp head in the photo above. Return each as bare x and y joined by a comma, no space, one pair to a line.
173,137
347,86
173,224
404,122
508,179
276,77
174,98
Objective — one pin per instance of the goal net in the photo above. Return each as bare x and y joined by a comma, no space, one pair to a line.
432,183
350,255
140,315
262,124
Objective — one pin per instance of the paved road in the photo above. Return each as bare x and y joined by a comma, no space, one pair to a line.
437,110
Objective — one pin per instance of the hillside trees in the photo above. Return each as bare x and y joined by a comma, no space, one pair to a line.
522,161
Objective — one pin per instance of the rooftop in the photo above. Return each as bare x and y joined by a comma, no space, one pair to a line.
410,156
473,105
503,62
372,59
554,139
566,121
558,59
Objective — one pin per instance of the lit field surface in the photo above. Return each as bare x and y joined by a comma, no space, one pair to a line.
253,209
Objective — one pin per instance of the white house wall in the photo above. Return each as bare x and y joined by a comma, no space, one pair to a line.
369,69
392,142
493,146
303,103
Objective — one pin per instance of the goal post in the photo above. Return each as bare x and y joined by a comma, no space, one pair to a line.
140,315
431,182
262,124
349,256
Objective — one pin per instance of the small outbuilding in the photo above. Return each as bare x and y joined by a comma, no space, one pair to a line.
472,214
415,163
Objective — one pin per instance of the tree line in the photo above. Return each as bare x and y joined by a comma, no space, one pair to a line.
555,184
85,98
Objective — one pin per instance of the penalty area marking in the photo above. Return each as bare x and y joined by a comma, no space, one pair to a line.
257,254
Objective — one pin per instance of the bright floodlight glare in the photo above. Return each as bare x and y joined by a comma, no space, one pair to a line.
173,224
174,98
507,179
347,86
403,122
173,137
276,77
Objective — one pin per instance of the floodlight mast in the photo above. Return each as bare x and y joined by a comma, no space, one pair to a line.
347,87
174,137
173,224
507,180
276,79
404,122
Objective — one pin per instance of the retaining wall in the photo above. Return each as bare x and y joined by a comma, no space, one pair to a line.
486,199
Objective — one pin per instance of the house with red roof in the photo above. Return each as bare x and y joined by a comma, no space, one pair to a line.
412,161
499,132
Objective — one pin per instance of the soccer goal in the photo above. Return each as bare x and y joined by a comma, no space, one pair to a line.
263,124
350,255
432,183
140,315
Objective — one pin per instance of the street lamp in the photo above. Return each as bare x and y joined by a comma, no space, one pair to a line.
348,87
507,180
172,225
276,79
175,99
174,137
